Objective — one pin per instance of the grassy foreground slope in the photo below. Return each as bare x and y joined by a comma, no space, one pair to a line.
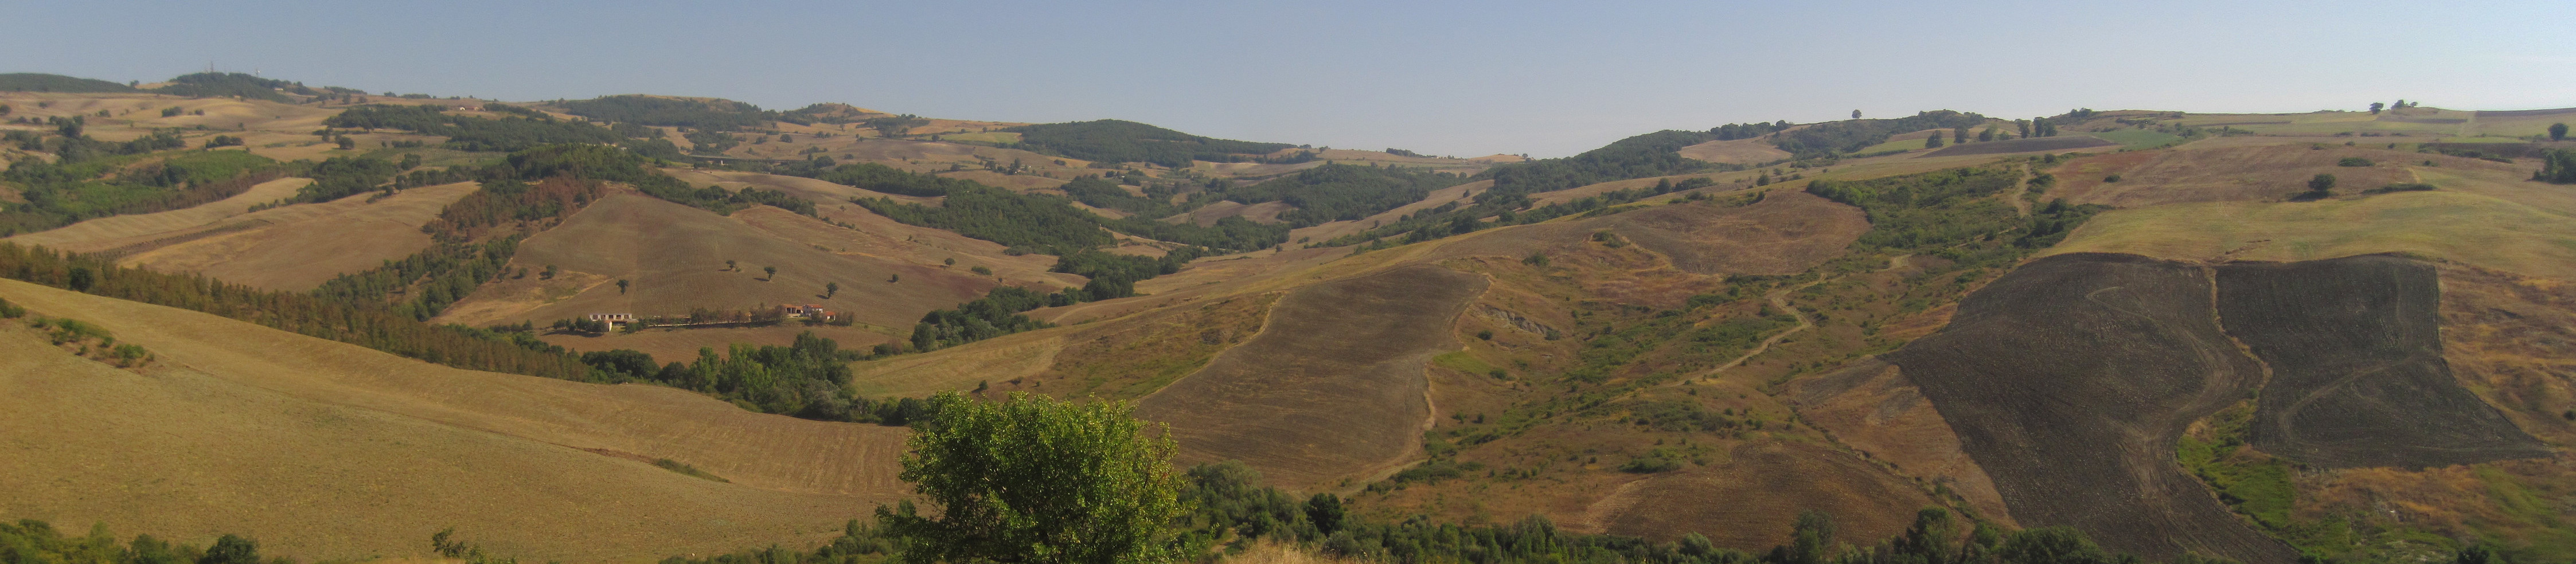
331,450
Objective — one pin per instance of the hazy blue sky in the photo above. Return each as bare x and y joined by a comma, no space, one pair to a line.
1439,77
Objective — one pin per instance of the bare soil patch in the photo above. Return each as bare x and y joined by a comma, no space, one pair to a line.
2357,372
1331,388
2069,380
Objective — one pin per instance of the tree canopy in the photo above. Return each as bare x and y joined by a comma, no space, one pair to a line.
1034,480
1119,141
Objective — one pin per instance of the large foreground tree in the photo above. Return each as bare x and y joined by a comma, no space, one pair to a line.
1032,480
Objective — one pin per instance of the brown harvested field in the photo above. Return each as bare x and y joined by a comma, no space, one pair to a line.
675,256
2214,174
1739,151
121,231
1327,231
1754,496
1787,232
2069,381
299,247
2509,338
1333,385
2024,145
824,194
1872,407
324,450
681,345
2358,378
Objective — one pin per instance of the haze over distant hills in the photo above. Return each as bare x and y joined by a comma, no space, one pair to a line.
637,326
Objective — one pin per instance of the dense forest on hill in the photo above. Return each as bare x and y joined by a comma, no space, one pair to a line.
516,132
1340,192
1119,141
711,114
1034,222
41,82
1642,156
91,178
228,84
1734,131
1853,135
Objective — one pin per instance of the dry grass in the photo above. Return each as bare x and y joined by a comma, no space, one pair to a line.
133,230
1740,151
301,246
2479,230
327,450
675,257
1752,498
1871,407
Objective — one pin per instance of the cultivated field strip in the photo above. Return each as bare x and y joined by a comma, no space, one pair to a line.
1331,388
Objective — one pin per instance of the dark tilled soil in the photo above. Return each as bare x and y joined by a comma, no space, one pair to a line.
2358,376
2069,379
1331,388
2022,146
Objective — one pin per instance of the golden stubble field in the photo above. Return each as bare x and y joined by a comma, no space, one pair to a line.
325,450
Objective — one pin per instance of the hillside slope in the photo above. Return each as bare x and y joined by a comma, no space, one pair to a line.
327,450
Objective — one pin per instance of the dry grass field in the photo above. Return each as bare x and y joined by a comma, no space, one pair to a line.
1754,496
674,256
325,450
1740,151
1873,408
1787,232
2478,230
1331,388
299,247
115,232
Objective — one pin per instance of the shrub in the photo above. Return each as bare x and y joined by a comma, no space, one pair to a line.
2354,161
2111,178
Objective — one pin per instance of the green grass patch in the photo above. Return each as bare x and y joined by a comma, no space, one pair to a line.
683,468
1462,362
991,137
2139,138
1891,147
2482,139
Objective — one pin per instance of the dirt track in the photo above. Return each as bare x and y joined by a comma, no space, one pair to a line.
2069,379
2358,375
1331,388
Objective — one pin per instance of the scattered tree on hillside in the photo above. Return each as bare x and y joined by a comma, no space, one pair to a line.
772,271
1855,114
1933,142
2375,106
830,288
2558,132
2557,166
1034,480
621,286
1959,134
894,278
1987,135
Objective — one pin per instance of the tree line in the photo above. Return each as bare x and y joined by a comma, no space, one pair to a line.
67,191
1826,139
715,115
522,129
1120,141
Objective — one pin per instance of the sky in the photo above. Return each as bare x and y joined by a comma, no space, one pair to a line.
1443,78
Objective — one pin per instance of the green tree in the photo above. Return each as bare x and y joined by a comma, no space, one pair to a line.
1855,114
2375,106
2558,132
1811,539
729,265
831,288
231,549
80,279
2322,183
772,271
1033,480
1933,142
621,286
